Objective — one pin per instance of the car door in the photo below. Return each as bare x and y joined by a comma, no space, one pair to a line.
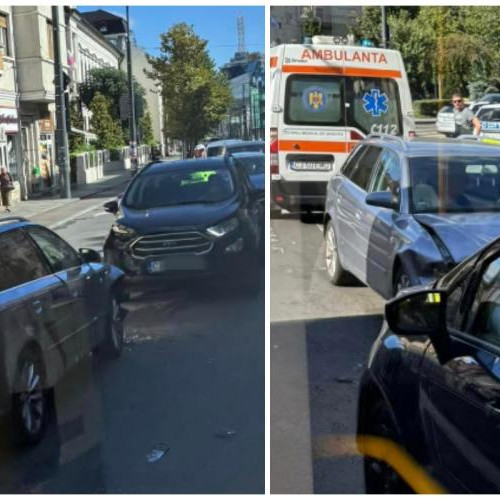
83,282
460,396
32,307
353,212
379,223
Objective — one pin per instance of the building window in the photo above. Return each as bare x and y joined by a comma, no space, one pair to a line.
4,35
50,40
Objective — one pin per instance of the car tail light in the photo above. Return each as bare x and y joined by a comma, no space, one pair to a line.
355,136
412,134
274,152
279,199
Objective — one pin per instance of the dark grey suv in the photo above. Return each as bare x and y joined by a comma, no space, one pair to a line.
402,213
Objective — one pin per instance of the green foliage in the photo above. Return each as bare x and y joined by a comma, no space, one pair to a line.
444,48
196,96
83,148
311,25
428,107
108,130
76,141
111,83
146,130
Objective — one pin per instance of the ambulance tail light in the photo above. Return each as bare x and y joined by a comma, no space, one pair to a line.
355,136
274,152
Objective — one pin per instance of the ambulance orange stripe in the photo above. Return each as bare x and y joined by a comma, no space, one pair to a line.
316,146
339,70
274,62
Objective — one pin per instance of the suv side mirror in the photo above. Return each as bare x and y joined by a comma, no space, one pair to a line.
383,199
89,255
111,206
417,313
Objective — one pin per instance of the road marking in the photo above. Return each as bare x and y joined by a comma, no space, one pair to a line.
320,227
79,214
98,214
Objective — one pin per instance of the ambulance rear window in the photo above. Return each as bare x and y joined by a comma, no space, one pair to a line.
314,100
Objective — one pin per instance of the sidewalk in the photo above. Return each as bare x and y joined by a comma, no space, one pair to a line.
34,208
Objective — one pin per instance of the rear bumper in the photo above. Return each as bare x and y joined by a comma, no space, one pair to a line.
299,195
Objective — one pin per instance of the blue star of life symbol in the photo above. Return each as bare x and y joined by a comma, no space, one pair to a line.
375,102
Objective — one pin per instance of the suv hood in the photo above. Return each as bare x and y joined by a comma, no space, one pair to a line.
463,234
189,217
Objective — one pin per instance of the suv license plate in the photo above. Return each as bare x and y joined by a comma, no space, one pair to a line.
176,263
320,166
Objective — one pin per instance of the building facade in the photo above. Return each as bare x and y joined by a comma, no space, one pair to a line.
245,74
34,53
114,29
286,22
10,141
87,49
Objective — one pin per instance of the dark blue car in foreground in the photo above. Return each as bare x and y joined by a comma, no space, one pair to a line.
429,403
403,213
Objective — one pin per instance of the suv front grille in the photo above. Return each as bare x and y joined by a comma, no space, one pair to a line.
161,245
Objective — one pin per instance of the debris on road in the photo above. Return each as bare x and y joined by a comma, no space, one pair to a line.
344,380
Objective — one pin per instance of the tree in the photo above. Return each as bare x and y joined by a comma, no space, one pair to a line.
76,141
196,96
108,130
146,129
311,25
113,84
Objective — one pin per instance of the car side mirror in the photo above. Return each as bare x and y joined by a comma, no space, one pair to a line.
417,313
89,255
111,206
383,199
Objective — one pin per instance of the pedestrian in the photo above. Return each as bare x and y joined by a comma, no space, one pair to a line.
6,186
45,171
199,151
466,122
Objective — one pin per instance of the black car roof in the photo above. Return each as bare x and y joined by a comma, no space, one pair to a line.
421,146
213,163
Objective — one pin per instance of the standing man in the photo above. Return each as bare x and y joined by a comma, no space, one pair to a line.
199,151
466,122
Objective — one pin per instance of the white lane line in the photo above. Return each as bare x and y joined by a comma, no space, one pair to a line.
99,214
79,214
320,227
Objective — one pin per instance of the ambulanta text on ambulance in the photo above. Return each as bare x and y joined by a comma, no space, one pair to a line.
326,98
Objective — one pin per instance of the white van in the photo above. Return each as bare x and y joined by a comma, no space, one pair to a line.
325,98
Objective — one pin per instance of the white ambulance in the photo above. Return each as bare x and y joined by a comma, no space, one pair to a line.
326,98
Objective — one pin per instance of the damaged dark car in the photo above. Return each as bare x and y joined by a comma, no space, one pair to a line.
403,213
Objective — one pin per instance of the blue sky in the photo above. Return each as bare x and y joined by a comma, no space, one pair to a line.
215,24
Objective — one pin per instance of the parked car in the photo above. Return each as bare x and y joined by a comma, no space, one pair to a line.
489,116
56,304
432,385
401,213
230,146
186,218
445,123
252,166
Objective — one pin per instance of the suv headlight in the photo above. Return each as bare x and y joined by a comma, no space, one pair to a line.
122,231
223,228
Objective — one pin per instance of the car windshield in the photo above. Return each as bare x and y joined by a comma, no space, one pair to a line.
454,184
180,187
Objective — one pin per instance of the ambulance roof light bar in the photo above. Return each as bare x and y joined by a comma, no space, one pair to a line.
333,40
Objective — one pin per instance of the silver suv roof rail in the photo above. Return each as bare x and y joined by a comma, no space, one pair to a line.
388,137
12,218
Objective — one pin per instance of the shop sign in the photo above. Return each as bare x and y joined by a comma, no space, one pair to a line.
9,120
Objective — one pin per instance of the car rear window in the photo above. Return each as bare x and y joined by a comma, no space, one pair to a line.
312,100
215,151
180,187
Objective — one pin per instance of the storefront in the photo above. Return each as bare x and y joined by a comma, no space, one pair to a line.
9,134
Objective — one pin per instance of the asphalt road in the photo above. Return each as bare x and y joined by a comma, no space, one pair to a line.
189,389
320,338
